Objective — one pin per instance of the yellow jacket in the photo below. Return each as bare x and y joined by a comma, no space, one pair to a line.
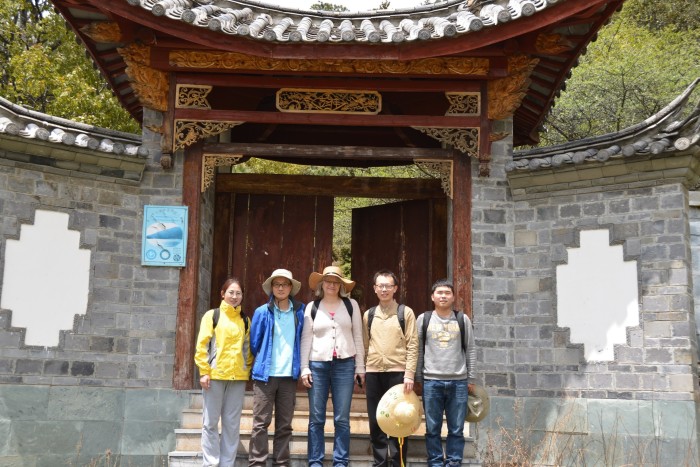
232,359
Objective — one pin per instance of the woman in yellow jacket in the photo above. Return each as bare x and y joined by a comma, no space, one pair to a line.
224,360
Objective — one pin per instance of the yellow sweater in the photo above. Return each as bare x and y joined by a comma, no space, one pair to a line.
232,360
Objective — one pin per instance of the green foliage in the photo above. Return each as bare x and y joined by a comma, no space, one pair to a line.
627,75
681,15
325,6
45,69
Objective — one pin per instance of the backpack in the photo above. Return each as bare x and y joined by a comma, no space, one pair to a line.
400,313
212,341
314,308
460,321
217,313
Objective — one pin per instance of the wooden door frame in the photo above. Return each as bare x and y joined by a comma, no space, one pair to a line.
369,187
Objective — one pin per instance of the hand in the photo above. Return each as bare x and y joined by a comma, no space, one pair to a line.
407,385
307,380
205,381
360,379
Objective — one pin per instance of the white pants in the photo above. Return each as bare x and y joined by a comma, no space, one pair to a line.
224,399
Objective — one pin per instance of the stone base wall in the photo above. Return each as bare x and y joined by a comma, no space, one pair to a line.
578,431
42,425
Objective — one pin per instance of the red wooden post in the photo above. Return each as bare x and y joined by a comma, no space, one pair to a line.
461,231
189,276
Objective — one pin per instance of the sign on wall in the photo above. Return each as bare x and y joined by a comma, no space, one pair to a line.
164,241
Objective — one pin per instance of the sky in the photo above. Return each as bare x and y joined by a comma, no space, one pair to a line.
352,5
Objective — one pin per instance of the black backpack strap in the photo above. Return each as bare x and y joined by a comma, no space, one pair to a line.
462,331
314,309
348,305
215,317
426,322
402,318
370,317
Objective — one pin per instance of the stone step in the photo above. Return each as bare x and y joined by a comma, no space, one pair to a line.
358,404
194,459
188,437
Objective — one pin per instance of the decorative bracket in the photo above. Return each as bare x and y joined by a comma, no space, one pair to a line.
465,140
192,96
438,169
209,164
188,132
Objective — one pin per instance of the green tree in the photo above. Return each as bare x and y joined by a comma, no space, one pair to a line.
631,72
325,6
43,68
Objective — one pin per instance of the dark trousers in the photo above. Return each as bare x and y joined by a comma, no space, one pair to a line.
385,449
279,393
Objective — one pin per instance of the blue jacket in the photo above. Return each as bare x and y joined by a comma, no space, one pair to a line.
261,332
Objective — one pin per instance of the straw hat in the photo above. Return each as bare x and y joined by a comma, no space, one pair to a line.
478,404
267,285
334,271
399,414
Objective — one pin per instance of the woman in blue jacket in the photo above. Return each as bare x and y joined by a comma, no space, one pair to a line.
275,337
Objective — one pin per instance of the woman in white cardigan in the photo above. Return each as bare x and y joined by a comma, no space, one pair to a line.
332,359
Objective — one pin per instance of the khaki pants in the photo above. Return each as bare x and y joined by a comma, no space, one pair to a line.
278,393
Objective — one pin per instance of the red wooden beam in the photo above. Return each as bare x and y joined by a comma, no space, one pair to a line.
284,118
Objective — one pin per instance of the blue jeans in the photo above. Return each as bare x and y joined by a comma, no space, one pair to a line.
450,398
338,376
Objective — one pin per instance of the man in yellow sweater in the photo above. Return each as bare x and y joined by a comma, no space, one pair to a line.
391,347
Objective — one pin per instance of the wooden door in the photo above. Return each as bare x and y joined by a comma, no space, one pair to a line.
408,238
256,234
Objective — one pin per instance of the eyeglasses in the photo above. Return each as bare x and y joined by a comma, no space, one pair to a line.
384,286
281,285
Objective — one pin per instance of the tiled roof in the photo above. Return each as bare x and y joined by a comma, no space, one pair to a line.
266,22
674,128
31,137
17,121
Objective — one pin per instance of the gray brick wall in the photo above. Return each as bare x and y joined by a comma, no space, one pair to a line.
127,337
518,240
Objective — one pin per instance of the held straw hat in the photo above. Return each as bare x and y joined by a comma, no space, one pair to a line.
334,271
399,414
267,285
478,404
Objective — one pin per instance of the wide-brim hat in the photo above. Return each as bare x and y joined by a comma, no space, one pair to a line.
399,414
334,271
478,404
267,285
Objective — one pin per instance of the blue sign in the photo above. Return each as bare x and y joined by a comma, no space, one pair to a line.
164,240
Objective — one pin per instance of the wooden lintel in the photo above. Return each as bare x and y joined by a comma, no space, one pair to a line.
282,118
309,151
377,84
309,185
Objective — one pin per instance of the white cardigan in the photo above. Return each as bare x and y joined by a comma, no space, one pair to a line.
319,336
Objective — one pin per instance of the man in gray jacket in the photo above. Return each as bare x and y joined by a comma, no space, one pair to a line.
446,364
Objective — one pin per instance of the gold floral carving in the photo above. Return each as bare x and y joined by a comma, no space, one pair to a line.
552,44
239,61
103,31
192,96
209,164
465,140
188,132
441,170
506,94
151,86
464,103
329,101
